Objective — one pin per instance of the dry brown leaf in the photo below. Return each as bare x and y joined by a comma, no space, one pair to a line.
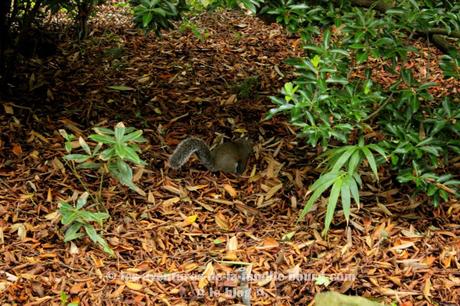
191,219
8,108
206,276
77,288
196,187
17,149
49,196
232,244
117,292
268,243
230,190
222,221
20,228
150,197
427,288
134,286
138,174
273,191
171,201
173,190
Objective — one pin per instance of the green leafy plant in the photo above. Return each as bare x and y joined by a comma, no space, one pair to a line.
322,102
76,219
157,14
438,187
187,25
343,178
248,87
65,298
112,152
417,132
451,66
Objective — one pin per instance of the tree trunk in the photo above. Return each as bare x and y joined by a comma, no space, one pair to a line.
5,6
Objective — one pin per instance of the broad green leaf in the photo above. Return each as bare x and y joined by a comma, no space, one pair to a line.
107,154
103,131
428,85
68,147
78,158
89,216
119,131
122,172
361,57
134,136
97,148
72,232
337,80
341,51
444,195
94,236
452,183
146,19
121,150
249,5
105,139
322,280
89,165
432,150
69,217
132,156
315,61
84,145
82,200
378,149
91,231
431,190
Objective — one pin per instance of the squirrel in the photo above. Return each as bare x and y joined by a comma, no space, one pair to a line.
227,157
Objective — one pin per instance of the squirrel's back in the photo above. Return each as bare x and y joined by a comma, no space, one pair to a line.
186,148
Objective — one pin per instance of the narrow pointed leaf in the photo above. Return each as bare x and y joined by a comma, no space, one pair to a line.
355,160
343,159
332,203
346,197
309,205
354,190
371,160
102,138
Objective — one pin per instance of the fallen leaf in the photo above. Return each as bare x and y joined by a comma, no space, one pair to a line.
17,149
134,286
268,243
222,221
230,190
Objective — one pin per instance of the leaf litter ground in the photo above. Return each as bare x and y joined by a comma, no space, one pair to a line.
193,223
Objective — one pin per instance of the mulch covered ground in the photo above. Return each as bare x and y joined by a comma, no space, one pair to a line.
397,248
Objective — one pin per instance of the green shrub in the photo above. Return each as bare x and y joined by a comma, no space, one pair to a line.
76,219
418,134
157,14
120,147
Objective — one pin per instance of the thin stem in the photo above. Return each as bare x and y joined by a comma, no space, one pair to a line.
378,110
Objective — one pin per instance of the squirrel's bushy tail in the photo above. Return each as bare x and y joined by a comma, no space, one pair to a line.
186,148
